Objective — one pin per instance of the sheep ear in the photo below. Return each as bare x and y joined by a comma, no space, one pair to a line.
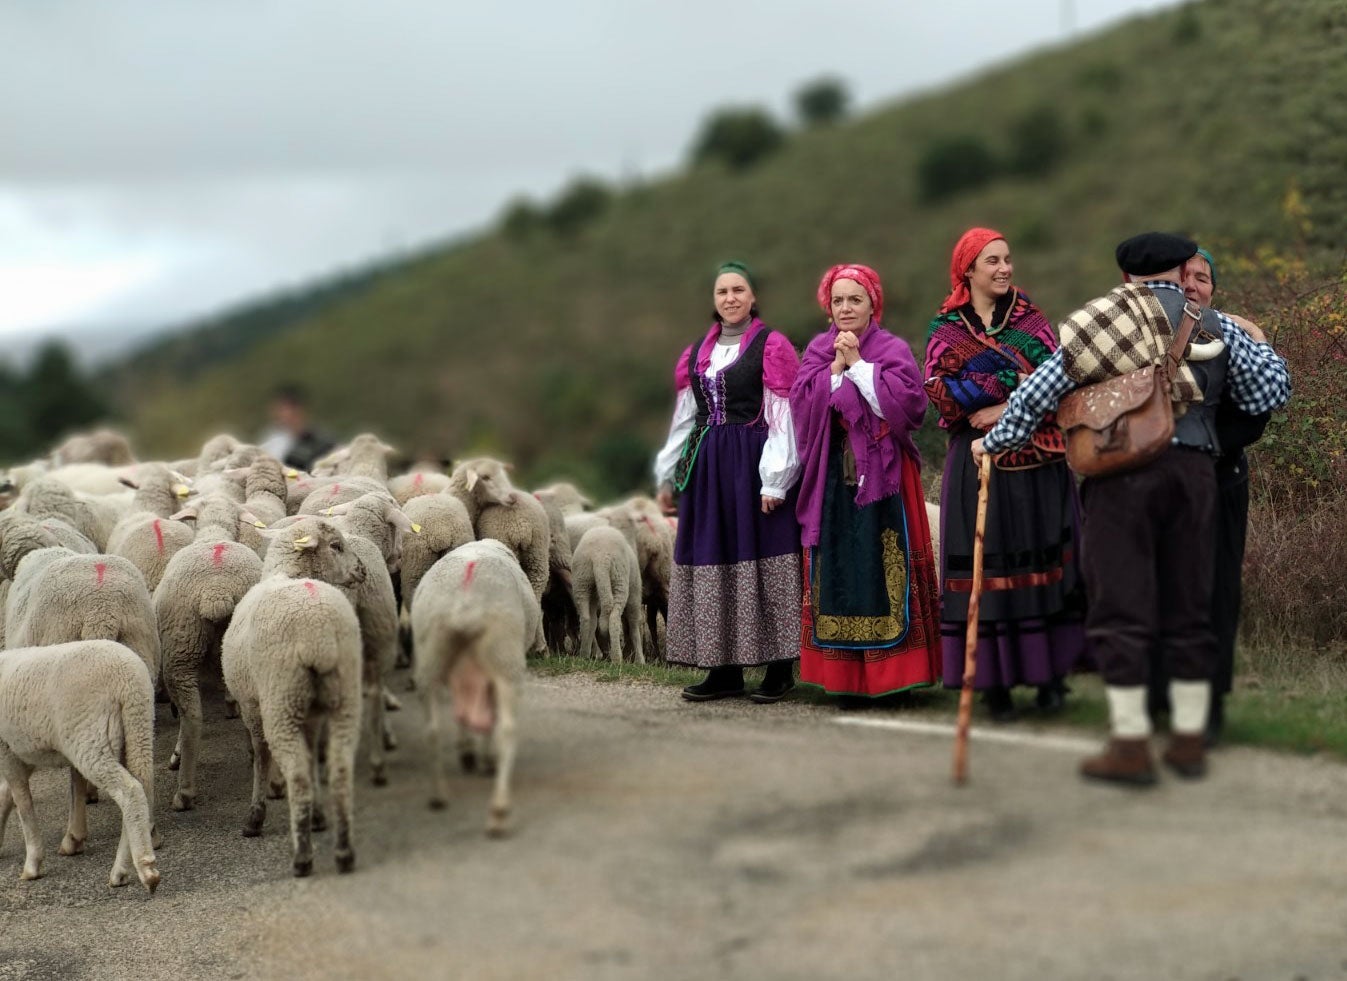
305,543
337,510
248,516
403,523
385,448
128,482
234,473
186,514
472,479
507,467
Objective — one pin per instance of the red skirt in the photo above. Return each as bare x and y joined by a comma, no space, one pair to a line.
912,663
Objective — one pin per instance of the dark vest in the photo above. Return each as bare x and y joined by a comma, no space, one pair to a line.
1196,428
738,386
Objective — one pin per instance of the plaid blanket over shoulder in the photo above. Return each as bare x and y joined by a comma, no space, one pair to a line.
1124,330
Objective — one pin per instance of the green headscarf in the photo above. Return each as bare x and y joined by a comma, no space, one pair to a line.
735,266
1210,262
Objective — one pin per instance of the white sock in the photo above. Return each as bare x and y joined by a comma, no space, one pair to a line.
1190,701
1127,711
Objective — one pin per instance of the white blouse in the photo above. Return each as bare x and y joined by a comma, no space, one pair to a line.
779,466
862,375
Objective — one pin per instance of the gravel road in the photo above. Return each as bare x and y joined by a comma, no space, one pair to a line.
658,839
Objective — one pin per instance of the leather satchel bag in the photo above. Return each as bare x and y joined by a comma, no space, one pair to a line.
1125,422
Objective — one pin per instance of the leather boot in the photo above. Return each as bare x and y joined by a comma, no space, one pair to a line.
726,681
1187,755
776,683
1125,761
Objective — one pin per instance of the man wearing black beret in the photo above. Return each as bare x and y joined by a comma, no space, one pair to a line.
1147,532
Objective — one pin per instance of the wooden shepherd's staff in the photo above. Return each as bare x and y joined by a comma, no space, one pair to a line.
970,643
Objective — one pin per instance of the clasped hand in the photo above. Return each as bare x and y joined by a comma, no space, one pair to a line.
848,350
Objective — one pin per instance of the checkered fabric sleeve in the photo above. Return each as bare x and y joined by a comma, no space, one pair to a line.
1036,396
1258,377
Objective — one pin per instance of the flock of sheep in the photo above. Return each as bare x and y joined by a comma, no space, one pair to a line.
120,579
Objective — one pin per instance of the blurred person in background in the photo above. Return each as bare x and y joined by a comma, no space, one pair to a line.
987,337
1235,430
870,609
734,599
293,439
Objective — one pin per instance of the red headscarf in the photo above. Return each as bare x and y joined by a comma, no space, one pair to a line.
965,254
864,275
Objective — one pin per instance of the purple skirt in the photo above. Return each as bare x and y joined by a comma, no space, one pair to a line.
734,597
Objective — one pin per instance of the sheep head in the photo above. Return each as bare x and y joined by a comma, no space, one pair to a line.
314,548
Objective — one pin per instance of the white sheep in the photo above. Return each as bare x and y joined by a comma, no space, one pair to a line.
106,446
148,537
445,525
566,496
330,491
654,550
291,657
418,483
89,704
475,616
201,586
607,579
364,456
510,516
561,622
93,517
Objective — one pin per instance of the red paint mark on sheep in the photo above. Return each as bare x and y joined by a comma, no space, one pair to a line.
418,480
313,590
159,535
217,554
469,572
99,570
334,490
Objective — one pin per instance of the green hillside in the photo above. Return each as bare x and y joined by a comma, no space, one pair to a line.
557,352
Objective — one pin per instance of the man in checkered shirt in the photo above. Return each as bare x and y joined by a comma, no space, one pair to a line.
1148,533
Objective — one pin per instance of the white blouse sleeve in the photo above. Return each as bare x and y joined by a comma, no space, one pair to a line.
685,414
835,382
862,373
779,467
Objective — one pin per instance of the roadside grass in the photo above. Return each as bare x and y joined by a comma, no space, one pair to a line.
1286,698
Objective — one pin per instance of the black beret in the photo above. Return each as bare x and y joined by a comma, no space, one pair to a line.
1154,252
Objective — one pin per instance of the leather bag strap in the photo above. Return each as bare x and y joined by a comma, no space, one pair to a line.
1192,315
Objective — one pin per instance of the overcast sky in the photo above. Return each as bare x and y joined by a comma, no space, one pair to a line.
163,158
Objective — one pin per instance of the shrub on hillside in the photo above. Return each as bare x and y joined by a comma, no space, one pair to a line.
822,102
521,219
578,205
738,138
952,165
1037,142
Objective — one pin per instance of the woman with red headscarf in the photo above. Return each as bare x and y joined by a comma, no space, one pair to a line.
870,614
987,337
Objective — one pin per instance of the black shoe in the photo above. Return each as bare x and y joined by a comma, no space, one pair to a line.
1000,705
723,682
1051,698
776,683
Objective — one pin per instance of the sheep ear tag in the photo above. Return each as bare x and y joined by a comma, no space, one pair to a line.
303,543
291,474
416,529
181,490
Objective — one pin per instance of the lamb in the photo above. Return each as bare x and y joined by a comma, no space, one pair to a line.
106,446
417,484
614,516
291,657
565,496
148,537
444,524
89,704
475,615
338,490
201,586
510,516
48,497
560,619
607,578
364,456
214,451
654,550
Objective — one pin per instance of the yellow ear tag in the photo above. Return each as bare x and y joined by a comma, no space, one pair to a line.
182,490
416,529
301,542
291,474
259,524
326,511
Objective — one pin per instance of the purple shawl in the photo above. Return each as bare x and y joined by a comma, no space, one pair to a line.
878,444
779,362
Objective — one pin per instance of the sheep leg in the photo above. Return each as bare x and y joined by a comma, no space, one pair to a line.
291,750
439,780
135,850
634,632
6,808
315,734
275,780
231,707
615,630
188,698
343,732
506,741
77,830
373,720
588,626
261,756
16,774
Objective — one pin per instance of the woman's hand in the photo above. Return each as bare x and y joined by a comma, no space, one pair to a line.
978,451
987,417
839,364
770,504
1250,328
848,347
665,499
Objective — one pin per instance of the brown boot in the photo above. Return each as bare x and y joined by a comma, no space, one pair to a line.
1123,761
1187,755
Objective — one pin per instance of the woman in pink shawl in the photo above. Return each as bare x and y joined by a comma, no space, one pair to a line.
870,619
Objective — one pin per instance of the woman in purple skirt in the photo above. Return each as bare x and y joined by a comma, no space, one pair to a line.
734,600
